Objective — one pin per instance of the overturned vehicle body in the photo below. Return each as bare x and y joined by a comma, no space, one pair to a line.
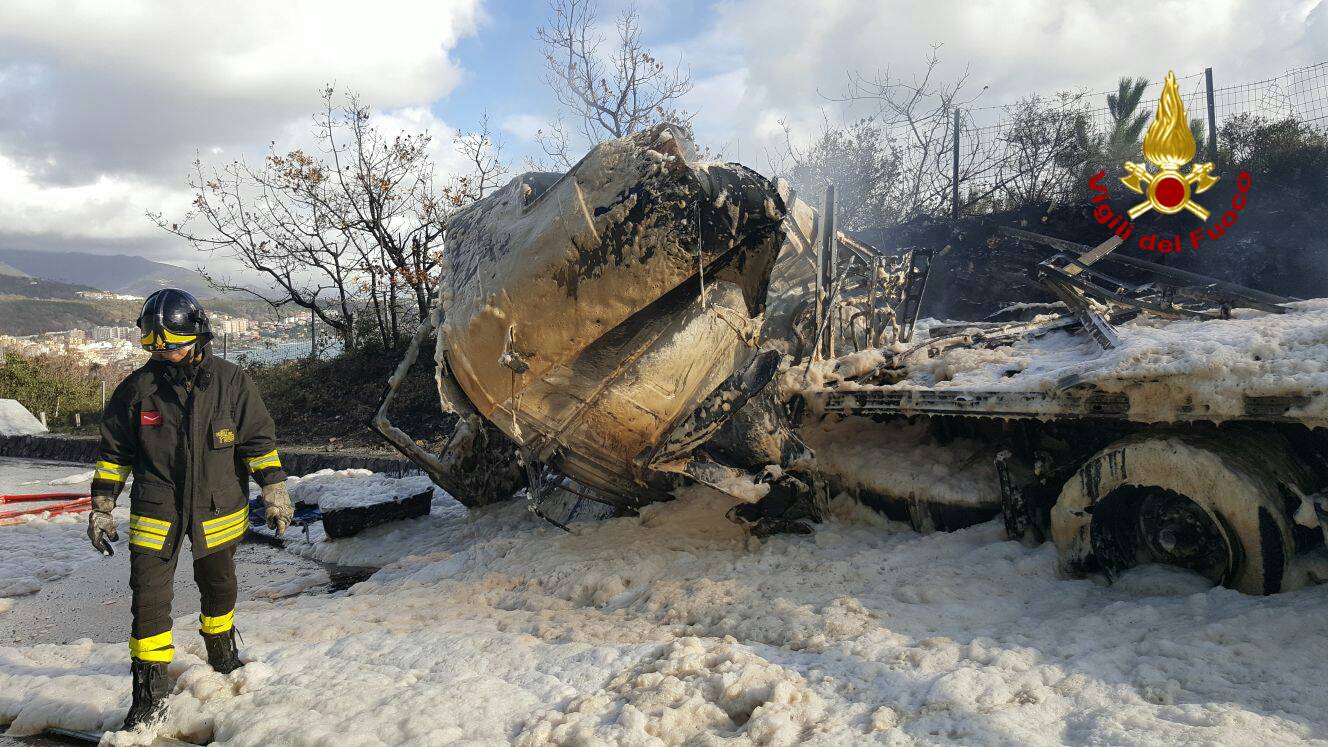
597,329
648,319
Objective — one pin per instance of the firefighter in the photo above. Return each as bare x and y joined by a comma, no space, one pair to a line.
191,429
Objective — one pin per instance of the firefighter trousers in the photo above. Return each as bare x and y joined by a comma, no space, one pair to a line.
151,579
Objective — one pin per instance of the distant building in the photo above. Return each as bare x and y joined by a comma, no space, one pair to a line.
66,336
111,351
233,326
114,333
102,295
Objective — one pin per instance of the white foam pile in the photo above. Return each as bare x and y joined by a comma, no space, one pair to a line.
347,488
78,478
15,420
902,460
1163,364
491,626
376,546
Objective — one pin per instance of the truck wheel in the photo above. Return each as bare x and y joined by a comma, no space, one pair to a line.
1214,507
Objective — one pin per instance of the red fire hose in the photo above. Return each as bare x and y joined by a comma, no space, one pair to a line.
80,502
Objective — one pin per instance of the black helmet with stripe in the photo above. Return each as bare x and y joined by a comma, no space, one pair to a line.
172,319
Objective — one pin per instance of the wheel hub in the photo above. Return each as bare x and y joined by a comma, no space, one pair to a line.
1175,530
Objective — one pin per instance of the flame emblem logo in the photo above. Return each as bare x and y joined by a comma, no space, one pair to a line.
1169,145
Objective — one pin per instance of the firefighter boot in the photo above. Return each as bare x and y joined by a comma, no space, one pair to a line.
222,654
151,689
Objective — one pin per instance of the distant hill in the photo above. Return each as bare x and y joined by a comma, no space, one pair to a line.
117,273
30,316
30,287
40,291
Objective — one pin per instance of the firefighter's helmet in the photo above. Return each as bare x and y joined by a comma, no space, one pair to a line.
172,319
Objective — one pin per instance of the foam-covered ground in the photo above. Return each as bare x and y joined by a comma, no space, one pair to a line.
673,627
44,548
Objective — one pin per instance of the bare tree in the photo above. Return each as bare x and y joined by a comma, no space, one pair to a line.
487,167
385,194
1035,144
1018,162
359,226
860,159
921,110
395,268
386,277
607,94
274,220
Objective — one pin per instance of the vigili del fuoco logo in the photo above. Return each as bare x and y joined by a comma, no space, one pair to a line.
1169,145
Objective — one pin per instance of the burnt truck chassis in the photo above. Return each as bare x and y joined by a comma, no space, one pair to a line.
1241,502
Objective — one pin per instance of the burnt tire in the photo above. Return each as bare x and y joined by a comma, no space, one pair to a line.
1214,506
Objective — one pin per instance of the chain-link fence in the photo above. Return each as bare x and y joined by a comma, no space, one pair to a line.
1036,148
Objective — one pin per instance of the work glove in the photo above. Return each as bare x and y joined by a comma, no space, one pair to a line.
101,525
277,507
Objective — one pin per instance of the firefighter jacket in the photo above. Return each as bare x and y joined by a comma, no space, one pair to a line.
191,437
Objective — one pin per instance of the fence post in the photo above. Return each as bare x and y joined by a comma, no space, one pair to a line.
1212,116
818,290
828,266
954,177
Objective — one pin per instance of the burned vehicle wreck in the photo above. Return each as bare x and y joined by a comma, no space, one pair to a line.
648,319
601,327
1152,415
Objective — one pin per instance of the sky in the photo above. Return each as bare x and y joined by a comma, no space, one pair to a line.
104,106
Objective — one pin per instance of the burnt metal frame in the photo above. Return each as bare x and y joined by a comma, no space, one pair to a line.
915,285
1091,321
1194,284
1074,401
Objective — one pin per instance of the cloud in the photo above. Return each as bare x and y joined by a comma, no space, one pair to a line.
106,104
523,127
110,207
1316,30
787,59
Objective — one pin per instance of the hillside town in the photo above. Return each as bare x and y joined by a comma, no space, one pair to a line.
112,345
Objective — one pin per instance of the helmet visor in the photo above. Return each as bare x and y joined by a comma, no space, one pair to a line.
164,339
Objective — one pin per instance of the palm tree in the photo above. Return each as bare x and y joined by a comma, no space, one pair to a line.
1127,124
1092,150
